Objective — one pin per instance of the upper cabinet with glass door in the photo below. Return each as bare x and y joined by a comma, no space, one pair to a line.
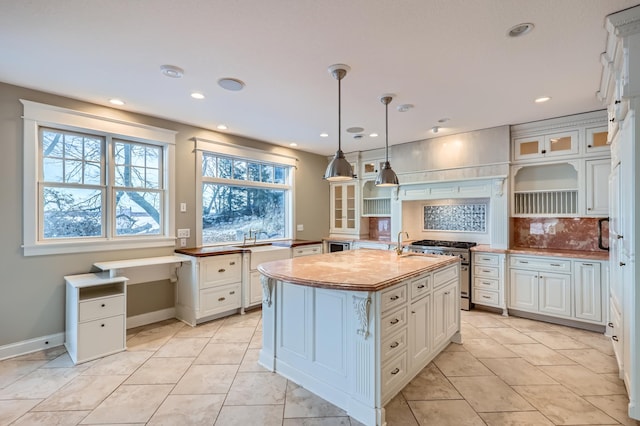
596,141
545,146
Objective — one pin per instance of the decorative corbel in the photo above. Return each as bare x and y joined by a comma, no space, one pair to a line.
362,307
267,290
498,187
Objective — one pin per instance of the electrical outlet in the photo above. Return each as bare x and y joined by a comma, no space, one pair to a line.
183,242
300,227
183,207
184,233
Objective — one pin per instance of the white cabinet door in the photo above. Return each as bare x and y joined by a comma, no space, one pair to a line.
524,290
555,293
597,188
344,212
445,316
588,291
255,288
419,319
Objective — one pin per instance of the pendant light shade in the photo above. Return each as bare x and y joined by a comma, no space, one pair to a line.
339,169
386,176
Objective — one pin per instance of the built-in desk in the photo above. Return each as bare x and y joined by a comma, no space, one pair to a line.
145,269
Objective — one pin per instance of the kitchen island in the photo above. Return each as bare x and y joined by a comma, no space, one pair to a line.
355,327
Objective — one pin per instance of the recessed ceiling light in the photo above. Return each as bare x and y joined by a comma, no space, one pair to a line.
232,84
542,99
221,127
404,107
293,144
115,101
443,120
373,135
435,129
355,130
197,95
324,135
171,71
520,29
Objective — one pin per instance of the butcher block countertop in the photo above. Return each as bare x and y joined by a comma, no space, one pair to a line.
358,270
575,254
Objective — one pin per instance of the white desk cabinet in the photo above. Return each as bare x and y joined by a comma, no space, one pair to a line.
95,316
307,250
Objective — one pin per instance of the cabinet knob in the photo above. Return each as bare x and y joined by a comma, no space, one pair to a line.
544,151
615,338
394,321
588,208
447,293
394,345
613,119
395,371
617,102
589,146
232,292
103,305
101,325
232,263
221,270
610,325
394,297
620,237
622,264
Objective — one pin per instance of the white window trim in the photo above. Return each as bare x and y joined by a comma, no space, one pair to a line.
37,115
223,148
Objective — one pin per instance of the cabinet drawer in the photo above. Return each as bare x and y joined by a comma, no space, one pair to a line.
393,345
307,250
393,322
393,297
486,271
486,259
483,297
393,372
445,275
100,337
420,286
540,264
101,308
219,299
480,283
218,270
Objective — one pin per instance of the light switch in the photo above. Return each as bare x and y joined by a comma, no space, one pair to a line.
184,233
183,242
300,227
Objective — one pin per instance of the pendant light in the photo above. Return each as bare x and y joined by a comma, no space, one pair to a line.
339,169
386,176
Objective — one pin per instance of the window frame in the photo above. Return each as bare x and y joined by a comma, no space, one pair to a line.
224,149
36,116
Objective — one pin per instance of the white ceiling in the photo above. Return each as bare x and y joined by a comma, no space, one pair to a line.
450,58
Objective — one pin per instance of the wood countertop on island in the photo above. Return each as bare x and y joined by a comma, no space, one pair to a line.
359,270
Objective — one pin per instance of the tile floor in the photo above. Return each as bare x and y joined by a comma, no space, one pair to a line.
509,371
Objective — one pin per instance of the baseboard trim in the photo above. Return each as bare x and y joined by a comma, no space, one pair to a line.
150,317
32,345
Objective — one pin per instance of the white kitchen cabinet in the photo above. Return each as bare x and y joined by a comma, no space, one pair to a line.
544,146
345,209
371,245
252,286
212,286
420,341
597,187
524,290
588,290
554,295
307,250
95,316
446,313
597,141
488,280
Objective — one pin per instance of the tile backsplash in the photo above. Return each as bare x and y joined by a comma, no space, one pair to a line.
563,233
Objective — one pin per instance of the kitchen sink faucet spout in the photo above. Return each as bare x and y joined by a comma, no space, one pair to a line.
399,247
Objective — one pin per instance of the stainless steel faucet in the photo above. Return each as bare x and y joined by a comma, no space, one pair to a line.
399,247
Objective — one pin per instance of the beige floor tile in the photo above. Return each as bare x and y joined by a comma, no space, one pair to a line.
508,336
563,407
82,393
517,371
121,363
203,379
484,321
187,410
583,381
129,404
250,361
528,418
43,355
64,361
555,340
455,347
256,340
222,353
592,359
233,335
13,409
445,413
258,415
430,384
398,413
319,421
257,389
153,338
470,332
538,354
39,384
182,347
615,406
13,369
487,348
250,319
460,364
525,324
300,402
207,329
500,398
48,418
157,371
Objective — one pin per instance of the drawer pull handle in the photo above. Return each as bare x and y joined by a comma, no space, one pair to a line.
394,321
620,237
101,325
221,270
486,282
421,286
615,338
395,371
622,264
486,271
394,345
222,299
587,264
610,325
555,264
522,261
447,293
232,292
395,297
486,297
232,263
486,259
103,305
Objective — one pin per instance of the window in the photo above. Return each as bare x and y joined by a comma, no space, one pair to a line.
93,183
243,197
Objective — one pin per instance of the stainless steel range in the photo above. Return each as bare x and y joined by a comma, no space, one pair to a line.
451,248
